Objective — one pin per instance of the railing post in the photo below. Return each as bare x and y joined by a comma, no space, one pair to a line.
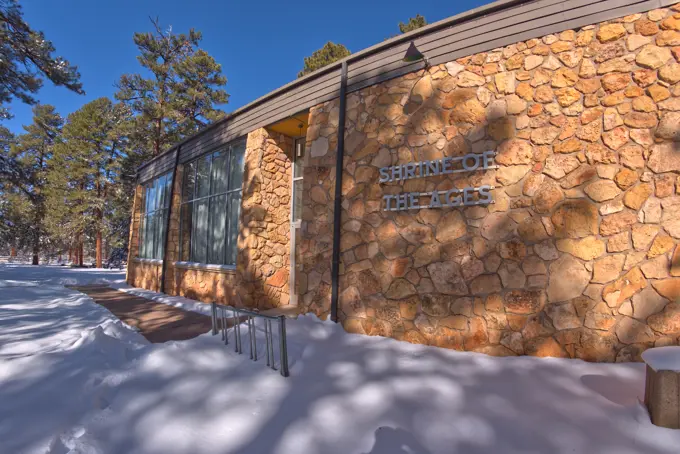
220,317
214,317
224,326
283,354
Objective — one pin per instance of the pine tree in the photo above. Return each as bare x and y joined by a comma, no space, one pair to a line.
180,95
13,225
31,156
328,54
25,55
413,23
84,172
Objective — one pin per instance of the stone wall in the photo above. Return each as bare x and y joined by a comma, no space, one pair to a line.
263,263
315,246
577,256
261,277
144,274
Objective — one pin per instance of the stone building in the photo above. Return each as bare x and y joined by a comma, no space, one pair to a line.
517,193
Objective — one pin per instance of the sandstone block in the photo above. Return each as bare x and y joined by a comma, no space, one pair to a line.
653,57
608,268
568,279
586,249
624,287
647,302
563,316
485,284
616,223
668,128
631,331
447,278
668,321
635,197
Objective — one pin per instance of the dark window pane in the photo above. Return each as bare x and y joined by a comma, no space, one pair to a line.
186,224
168,186
203,177
297,200
150,197
199,241
189,182
216,228
160,234
142,203
160,192
299,158
236,166
219,173
142,237
233,225
148,237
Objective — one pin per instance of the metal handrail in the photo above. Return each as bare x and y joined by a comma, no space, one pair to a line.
220,317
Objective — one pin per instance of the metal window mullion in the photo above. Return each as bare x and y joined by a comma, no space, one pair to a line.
208,196
227,239
192,248
210,184
142,217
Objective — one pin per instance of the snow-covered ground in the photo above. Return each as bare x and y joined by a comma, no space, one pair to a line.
73,379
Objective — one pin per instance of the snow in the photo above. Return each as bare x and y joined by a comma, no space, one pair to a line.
663,358
74,379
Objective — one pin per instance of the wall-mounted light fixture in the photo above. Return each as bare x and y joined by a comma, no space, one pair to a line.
413,55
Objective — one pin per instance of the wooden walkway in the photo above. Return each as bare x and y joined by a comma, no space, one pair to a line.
157,322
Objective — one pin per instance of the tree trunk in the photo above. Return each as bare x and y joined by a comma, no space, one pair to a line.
98,251
70,254
13,251
80,254
36,249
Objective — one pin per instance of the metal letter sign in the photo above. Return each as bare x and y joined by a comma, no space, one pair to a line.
453,197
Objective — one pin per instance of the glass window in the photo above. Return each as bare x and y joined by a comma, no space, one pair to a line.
189,182
187,223
297,178
211,206
155,206
203,177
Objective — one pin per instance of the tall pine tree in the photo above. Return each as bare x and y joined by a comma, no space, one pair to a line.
12,226
84,173
25,57
31,156
413,23
329,53
180,95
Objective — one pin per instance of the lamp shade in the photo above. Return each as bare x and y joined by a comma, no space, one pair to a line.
413,54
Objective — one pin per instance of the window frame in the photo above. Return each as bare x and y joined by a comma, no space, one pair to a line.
192,199
297,223
161,194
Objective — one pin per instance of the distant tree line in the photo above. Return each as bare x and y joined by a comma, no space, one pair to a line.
66,184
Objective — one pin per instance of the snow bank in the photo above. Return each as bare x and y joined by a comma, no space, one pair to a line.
12,275
663,358
73,379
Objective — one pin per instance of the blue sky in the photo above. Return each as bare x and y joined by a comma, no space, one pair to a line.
260,43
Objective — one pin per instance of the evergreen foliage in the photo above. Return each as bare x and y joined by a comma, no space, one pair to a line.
179,97
25,56
328,54
31,155
66,186
84,172
413,23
